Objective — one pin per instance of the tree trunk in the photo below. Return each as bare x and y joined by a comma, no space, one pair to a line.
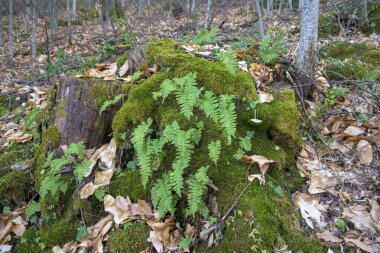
207,15
365,12
74,11
78,118
1,34
68,13
10,34
256,3
247,7
193,5
102,14
280,7
34,31
290,5
268,8
141,7
300,2
307,54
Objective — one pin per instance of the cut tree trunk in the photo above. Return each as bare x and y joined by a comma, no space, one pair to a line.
77,115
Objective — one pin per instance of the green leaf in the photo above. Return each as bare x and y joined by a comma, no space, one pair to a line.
197,188
32,208
205,36
185,242
214,150
81,169
82,233
108,103
229,60
99,194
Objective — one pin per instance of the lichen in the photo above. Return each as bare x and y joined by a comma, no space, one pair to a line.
14,186
58,232
132,239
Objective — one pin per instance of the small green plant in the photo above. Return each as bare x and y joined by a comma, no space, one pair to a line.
61,59
333,94
110,102
229,60
205,36
341,224
53,182
214,150
185,242
271,49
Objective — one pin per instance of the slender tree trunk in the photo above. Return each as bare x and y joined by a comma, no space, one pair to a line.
256,3
10,34
74,11
188,7
365,12
1,32
300,2
307,54
102,14
247,7
68,13
207,15
34,31
280,7
268,8
290,5
141,7
193,6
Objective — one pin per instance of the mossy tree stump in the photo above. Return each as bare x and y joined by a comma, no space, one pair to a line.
77,115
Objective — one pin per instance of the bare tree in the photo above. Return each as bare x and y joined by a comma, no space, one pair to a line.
10,34
207,15
68,13
193,6
307,53
365,12
268,8
34,30
1,31
256,3
290,5
74,11
280,7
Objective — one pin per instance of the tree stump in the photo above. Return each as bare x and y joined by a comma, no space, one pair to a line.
77,116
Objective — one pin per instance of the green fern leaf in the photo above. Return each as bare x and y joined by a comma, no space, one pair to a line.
245,143
81,169
162,197
108,103
227,116
197,187
214,150
187,93
229,60
77,148
205,36
209,105
167,87
53,184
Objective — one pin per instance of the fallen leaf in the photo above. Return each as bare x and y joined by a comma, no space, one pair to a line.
262,161
265,97
365,151
353,131
309,207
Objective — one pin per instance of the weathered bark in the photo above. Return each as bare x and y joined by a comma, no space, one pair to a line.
68,13
207,15
268,8
193,5
10,34
307,53
34,30
256,3
1,33
74,11
77,116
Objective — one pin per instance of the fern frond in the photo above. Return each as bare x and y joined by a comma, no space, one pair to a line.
162,197
187,93
197,187
108,103
81,169
167,87
227,116
53,184
56,164
245,143
197,133
77,148
229,60
214,150
209,105
205,36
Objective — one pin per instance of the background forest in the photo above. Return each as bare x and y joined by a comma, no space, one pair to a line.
189,126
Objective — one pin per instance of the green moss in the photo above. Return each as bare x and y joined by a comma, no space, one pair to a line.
372,57
121,60
128,184
374,15
90,209
100,92
327,25
60,110
58,232
16,152
133,239
3,110
351,69
342,50
14,186
27,243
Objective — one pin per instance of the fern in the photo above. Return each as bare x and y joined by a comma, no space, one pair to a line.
108,103
209,105
76,148
81,169
52,184
162,197
167,87
227,116
270,51
205,36
229,60
245,143
214,150
198,186
143,150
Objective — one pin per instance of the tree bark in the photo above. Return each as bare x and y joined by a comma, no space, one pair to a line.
68,13
77,117
307,54
34,31
280,7
207,15
268,8
193,5
290,5
1,34
10,34
365,12
74,11
260,18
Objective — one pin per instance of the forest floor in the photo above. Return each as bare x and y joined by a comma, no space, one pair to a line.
339,157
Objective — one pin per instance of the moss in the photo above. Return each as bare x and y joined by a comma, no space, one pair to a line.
133,239
100,92
3,110
60,110
121,60
342,50
128,185
58,232
16,152
327,26
351,69
372,57
14,186
90,209
27,242
374,15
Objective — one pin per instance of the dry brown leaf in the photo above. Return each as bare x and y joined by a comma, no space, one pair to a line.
310,208
327,237
354,131
360,244
365,151
322,181
260,177
262,161
265,97
360,216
